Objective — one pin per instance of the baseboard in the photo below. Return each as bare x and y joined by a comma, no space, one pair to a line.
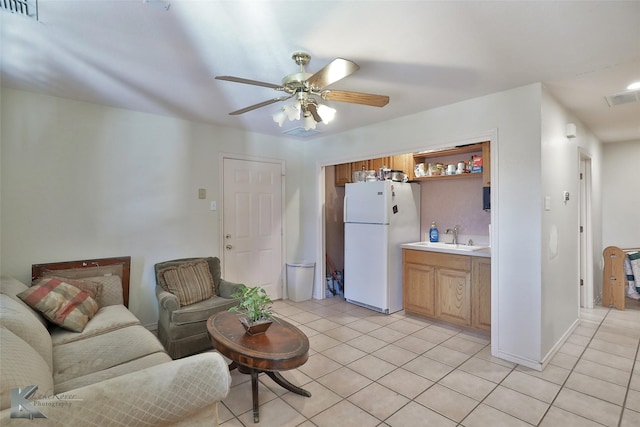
552,352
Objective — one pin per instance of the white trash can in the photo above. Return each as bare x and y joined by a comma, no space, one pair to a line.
300,281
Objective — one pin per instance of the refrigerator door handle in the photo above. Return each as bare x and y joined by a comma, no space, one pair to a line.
344,209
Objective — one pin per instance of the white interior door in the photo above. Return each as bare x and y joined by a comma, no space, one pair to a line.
252,224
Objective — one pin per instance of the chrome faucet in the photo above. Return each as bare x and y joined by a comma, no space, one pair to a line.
455,234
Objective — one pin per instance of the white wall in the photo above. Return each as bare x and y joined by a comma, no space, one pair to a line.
620,201
560,224
81,181
514,116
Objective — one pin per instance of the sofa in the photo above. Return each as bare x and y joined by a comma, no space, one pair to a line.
189,291
113,372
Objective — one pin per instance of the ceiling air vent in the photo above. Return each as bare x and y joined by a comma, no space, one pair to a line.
299,131
623,98
27,8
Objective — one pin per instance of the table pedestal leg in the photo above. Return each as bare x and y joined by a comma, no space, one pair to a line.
254,392
282,382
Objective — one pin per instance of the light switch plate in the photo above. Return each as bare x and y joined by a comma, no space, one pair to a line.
213,205
547,203
202,193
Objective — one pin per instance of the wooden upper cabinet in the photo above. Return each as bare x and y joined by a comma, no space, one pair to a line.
343,174
486,164
404,163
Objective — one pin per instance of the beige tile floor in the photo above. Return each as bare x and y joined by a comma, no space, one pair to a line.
368,369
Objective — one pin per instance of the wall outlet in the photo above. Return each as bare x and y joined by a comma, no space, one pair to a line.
214,205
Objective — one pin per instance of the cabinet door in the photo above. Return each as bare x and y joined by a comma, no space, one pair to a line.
343,174
481,293
376,164
359,166
453,294
404,163
418,289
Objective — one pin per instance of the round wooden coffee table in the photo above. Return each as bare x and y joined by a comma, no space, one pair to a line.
281,348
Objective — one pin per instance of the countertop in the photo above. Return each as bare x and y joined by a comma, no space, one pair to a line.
450,248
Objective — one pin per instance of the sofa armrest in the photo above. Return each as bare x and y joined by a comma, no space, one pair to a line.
226,288
167,300
159,395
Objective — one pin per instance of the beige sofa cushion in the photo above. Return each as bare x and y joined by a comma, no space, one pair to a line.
79,358
16,316
111,284
11,287
22,366
107,319
115,371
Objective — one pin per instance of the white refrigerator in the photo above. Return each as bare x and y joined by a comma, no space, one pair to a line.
378,216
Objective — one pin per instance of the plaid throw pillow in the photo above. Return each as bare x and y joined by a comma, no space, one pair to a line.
191,282
61,303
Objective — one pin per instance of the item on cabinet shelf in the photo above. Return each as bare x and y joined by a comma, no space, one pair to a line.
461,168
398,176
486,198
437,169
385,173
419,170
370,176
434,234
451,169
476,166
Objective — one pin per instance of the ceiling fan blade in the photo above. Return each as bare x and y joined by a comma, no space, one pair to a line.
248,82
314,112
256,106
336,70
356,98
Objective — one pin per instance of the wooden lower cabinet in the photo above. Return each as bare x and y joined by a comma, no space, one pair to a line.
453,288
453,293
481,284
418,293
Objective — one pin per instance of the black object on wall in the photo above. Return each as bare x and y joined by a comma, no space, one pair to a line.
486,198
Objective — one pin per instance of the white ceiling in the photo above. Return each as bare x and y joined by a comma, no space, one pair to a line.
422,54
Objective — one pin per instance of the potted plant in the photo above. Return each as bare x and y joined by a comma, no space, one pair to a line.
255,305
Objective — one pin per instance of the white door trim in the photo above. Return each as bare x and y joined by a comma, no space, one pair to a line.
221,251
585,243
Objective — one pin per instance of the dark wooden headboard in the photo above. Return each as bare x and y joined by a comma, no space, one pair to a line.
39,270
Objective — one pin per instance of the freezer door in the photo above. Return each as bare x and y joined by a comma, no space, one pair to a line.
367,202
366,265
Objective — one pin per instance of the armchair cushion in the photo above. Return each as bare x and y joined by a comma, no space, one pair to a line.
191,282
201,311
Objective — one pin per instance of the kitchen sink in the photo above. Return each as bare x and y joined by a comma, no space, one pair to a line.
458,247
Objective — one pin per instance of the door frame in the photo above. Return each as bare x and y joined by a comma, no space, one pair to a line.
585,239
220,208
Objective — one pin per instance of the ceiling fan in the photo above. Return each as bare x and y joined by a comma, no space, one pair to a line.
306,86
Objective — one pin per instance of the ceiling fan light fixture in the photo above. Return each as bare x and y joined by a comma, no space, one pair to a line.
279,117
327,114
308,122
292,110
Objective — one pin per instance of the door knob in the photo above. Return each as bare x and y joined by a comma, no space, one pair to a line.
229,247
